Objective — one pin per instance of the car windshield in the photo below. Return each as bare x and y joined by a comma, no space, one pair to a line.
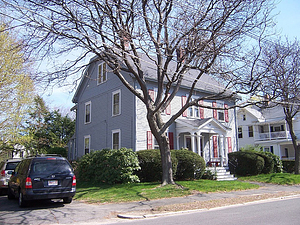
11,165
50,167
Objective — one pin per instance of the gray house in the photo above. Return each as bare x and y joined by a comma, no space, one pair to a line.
108,115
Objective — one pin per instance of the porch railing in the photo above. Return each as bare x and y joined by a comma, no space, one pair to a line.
272,135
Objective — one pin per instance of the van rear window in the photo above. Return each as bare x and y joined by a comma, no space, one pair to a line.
50,167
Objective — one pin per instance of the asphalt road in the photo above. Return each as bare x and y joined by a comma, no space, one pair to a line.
274,212
49,212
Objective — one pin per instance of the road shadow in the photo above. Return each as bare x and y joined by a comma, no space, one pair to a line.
12,205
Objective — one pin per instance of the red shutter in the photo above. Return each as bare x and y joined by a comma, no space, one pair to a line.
171,140
151,94
183,102
168,109
229,144
201,110
215,146
226,113
215,112
149,140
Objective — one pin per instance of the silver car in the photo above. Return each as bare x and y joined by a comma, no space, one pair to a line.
6,169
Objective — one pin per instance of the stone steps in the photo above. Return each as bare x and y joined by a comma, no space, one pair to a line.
222,173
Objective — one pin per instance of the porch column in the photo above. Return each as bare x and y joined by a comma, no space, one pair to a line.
177,140
193,142
211,144
222,149
198,144
226,151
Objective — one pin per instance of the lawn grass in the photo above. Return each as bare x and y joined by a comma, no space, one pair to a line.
101,193
275,178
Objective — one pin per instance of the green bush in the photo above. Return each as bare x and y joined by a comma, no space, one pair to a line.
150,163
190,165
109,166
288,166
277,168
269,163
276,164
245,163
58,150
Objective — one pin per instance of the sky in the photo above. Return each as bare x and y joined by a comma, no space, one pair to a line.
288,24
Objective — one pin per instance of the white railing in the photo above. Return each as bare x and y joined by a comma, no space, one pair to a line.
272,135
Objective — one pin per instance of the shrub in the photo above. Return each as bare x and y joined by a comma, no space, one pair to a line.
276,161
289,166
109,166
245,163
269,163
190,165
276,164
150,163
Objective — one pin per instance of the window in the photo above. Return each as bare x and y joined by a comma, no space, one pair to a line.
87,144
244,117
240,132
220,114
277,128
286,152
250,131
102,73
116,103
116,139
87,118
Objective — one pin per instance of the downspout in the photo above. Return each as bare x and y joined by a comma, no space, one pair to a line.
236,130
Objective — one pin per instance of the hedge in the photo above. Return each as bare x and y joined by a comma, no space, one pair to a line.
250,162
245,163
190,165
150,163
186,165
108,166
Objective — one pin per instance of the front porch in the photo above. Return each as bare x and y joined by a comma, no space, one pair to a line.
206,137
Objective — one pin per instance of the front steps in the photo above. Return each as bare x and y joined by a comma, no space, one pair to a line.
222,173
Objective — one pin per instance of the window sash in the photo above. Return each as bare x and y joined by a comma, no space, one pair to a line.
116,106
116,139
86,144
102,73
87,112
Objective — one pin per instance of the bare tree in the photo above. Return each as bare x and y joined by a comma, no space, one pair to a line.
207,36
282,60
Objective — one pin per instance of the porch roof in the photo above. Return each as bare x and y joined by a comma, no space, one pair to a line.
208,124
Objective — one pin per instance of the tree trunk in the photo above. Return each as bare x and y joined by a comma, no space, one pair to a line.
166,162
289,121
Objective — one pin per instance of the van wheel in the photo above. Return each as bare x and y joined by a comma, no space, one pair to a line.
10,195
67,200
22,202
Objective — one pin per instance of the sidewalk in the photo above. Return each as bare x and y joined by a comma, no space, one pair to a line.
144,209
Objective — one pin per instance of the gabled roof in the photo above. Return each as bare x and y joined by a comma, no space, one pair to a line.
267,115
206,83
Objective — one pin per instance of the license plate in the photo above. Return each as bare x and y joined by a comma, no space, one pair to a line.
52,182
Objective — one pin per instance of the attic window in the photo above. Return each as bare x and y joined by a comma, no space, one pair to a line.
102,73
244,117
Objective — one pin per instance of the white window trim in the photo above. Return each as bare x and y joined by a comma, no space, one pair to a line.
88,103
112,138
101,81
112,102
87,137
